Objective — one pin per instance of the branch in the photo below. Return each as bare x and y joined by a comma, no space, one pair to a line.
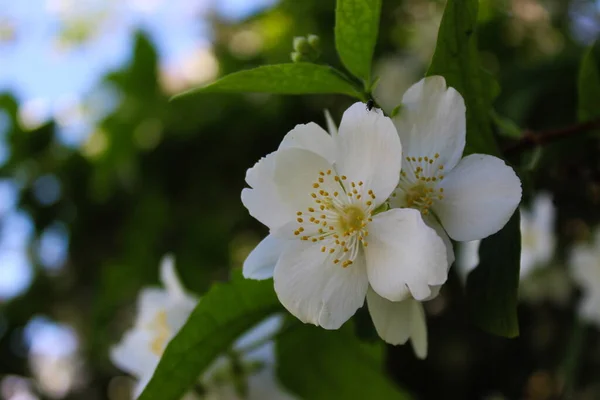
532,139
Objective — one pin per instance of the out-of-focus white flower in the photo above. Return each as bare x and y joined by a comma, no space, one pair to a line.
584,265
537,234
537,239
254,354
162,313
14,387
471,197
332,241
551,284
54,357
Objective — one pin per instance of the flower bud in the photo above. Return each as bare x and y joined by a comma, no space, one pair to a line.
297,57
315,42
301,45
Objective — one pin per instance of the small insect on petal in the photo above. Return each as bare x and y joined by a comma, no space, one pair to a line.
370,104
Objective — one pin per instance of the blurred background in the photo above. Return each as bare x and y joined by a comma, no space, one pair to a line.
100,176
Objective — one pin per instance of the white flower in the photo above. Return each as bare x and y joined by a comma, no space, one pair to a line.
323,198
472,197
537,234
537,239
585,268
161,313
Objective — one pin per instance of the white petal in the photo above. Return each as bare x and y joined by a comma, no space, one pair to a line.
544,212
179,311
261,261
418,329
316,290
141,385
150,300
262,172
433,120
468,257
537,234
310,137
369,150
584,260
396,322
331,126
433,223
297,170
133,354
480,196
260,332
391,319
263,201
589,308
168,277
404,254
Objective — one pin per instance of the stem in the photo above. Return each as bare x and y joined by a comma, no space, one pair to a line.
532,139
570,365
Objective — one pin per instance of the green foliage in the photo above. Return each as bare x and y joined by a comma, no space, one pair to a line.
224,313
506,127
356,30
456,58
335,366
492,287
589,87
296,78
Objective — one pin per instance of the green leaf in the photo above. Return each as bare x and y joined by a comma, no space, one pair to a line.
337,366
492,287
224,313
456,59
589,87
506,127
296,78
356,29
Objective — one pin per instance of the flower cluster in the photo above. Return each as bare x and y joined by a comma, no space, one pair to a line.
161,314
367,211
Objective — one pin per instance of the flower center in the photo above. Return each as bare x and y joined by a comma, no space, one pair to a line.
161,333
338,216
352,219
419,185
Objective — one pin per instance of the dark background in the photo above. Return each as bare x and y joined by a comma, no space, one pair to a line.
125,205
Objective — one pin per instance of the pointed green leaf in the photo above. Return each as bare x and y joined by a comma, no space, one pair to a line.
222,315
456,59
589,87
492,287
356,29
338,366
297,78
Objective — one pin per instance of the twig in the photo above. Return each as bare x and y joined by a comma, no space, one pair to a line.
532,139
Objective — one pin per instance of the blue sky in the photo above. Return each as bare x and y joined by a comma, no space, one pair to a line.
32,67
